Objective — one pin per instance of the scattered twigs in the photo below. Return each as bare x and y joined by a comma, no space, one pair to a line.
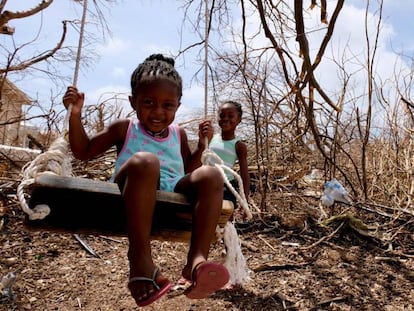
249,246
400,230
324,239
276,265
398,253
284,298
361,205
397,209
110,239
267,243
79,302
327,302
388,259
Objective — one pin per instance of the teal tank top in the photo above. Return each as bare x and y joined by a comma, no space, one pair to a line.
226,150
168,151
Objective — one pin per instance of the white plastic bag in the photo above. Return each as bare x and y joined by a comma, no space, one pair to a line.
334,191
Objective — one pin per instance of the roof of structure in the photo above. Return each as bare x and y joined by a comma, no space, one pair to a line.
12,92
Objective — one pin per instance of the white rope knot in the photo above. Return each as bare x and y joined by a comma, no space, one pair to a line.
209,157
54,161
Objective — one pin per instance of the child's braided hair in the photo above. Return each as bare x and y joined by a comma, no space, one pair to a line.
154,67
236,105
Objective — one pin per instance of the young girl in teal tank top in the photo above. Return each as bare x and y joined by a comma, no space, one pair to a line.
153,155
229,148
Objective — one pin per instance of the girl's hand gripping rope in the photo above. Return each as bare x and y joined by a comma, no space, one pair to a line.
73,100
205,133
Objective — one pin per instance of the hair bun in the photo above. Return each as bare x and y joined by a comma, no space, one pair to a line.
162,58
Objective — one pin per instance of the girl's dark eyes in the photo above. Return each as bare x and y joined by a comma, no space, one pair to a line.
147,102
230,116
167,106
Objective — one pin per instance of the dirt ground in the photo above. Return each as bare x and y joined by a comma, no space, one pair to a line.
295,263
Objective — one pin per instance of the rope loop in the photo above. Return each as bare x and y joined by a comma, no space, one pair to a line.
54,161
209,157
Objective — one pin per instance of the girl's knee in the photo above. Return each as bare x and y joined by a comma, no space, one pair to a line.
140,166
211,175
144,163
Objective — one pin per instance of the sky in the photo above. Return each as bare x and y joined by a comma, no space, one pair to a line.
142,27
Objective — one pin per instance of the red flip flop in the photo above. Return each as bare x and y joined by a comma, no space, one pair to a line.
161,288
208,277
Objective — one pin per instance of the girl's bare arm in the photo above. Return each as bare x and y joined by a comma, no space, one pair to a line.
241,151
82,146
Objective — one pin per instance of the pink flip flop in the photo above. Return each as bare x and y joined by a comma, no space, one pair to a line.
208,277
161,288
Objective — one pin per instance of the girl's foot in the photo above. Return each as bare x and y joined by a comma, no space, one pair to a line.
207,277
147,290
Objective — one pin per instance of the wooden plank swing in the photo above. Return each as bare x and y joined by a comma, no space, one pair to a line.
80,205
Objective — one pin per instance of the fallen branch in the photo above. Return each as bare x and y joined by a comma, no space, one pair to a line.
327,302
357,224
275,266
249,246
267,243
404,210
323,239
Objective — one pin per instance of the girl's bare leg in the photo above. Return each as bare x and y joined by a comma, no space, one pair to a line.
206,183
138,180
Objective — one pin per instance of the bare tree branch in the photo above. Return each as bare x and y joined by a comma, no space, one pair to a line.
26,64
6,16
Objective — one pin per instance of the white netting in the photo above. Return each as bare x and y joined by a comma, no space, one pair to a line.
235,261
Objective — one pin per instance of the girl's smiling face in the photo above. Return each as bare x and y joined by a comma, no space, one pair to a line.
156,103
229,117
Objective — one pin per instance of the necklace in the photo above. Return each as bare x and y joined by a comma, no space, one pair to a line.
161,134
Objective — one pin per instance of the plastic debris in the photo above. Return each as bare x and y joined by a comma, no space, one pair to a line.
334,191
6,284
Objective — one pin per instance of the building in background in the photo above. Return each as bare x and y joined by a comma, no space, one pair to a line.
16,139
11,113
